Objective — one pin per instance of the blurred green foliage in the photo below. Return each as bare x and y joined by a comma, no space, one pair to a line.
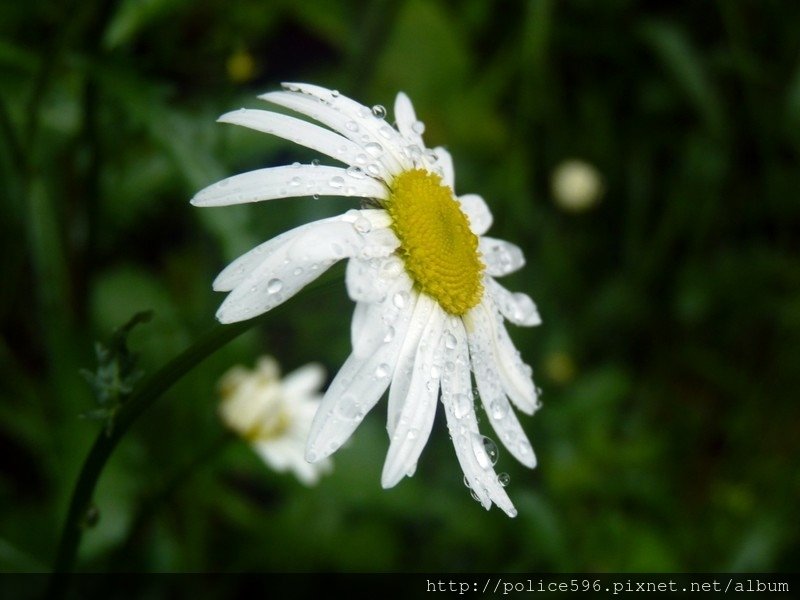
668,357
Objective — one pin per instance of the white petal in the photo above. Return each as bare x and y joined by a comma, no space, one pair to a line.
480,217
517,307
491,389
419,407
363,281
240,269
358,385
515,376
463,424
500,257
405,117
380,141
286,182
373,322
289,268
401,381
445,162
299,131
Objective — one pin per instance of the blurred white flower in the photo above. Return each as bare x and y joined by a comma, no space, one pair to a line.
577,185
429,311
274,415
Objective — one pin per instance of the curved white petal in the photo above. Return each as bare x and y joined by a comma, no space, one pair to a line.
242,267
476,209
299,131
381,142
358,385
500,257
444,161
463,424
286,182
516,377
401,382
491,388
419,407
289,268
406,119
517,307
373,322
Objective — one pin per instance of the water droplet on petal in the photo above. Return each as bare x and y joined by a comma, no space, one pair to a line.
379,111
295,165
335,93
450,341
462,404
418,127
336,182
400,299
389,335
498,409
374,149
485,451
274,286
503,479
356,172
348,407
295,181
412,433
315,162
382,371
362,225
351,126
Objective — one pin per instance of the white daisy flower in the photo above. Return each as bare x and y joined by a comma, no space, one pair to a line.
429,311
274,415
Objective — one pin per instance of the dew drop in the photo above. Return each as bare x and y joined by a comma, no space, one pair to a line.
297,271
295,165
389,335
351,126
379,111
295,181
311,456
485,451
382,371
461,405
335,93
503,479
336,182
466,483
315,162
386,131
412,433
498,409
374,149
361,159
450,341
348,407
315,196
274,286
362,225
356,172
418,127
400,299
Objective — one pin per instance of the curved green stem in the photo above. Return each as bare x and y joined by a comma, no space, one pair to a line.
106,441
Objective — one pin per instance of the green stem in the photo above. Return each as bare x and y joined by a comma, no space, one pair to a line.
106,441
151,390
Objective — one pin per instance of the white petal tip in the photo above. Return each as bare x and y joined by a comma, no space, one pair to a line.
390,479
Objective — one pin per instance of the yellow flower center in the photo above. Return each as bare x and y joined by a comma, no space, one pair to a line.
439,249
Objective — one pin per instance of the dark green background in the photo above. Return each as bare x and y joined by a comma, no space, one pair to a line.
672,444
